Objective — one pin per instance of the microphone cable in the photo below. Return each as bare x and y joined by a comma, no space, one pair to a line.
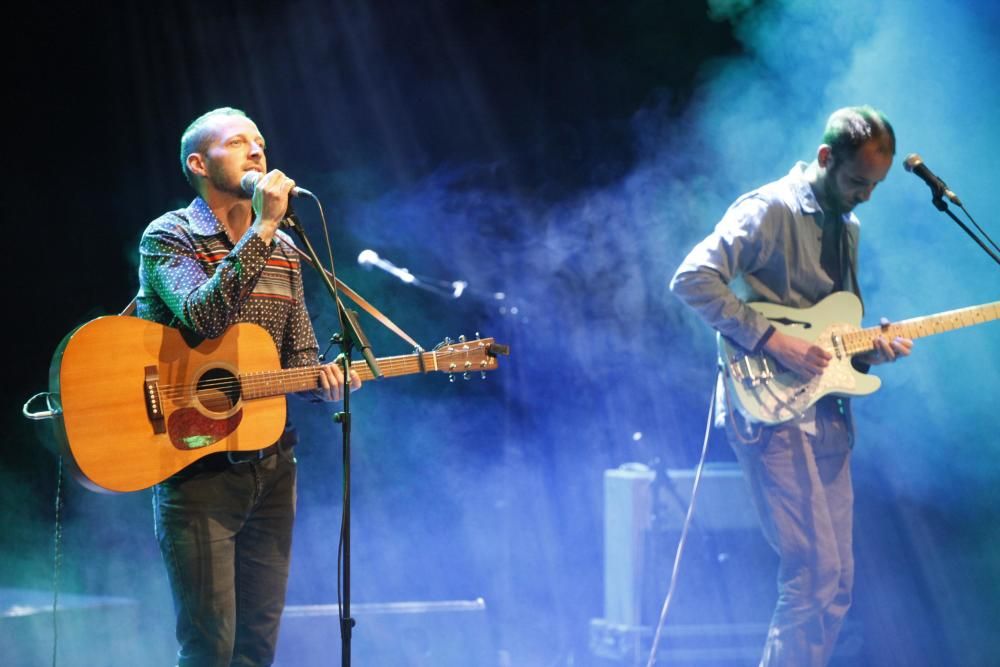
684,531
981,231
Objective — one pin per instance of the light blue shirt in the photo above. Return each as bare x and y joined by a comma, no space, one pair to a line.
766,248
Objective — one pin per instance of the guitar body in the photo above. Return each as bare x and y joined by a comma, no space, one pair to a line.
766,392
138,403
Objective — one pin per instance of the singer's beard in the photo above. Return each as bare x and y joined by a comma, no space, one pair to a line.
223,181
836,202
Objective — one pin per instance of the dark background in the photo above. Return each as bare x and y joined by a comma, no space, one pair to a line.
566,154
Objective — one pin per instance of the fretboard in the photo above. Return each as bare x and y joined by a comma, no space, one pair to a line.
863,340
290,380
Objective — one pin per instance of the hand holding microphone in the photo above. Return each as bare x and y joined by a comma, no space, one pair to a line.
251,178
270,194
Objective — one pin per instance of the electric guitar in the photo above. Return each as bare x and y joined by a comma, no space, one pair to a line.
136,402
764,391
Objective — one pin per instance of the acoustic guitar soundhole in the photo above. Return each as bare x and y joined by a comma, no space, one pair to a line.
218,390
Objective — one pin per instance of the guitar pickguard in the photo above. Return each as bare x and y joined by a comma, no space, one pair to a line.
190,429
766,392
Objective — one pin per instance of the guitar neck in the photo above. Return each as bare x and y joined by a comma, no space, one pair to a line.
290,380
404,364
863,340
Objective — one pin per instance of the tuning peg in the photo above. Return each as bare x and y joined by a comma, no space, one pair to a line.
465,376
482,375
461,339
447,340
451,377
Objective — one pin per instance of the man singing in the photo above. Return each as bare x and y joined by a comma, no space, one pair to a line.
224,523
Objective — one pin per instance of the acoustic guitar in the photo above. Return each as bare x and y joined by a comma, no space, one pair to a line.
136,401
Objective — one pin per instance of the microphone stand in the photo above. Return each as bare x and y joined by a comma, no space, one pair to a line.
349,338
940,205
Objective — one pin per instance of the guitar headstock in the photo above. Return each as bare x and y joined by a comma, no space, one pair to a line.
467,356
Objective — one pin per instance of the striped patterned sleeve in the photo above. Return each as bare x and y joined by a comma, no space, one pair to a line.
300,346
173,264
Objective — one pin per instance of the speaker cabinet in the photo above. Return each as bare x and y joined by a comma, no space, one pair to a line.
726,583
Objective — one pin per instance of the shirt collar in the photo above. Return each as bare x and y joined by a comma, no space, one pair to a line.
803,190
203,222
806,198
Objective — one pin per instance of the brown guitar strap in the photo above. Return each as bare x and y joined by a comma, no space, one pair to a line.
360,300
130,308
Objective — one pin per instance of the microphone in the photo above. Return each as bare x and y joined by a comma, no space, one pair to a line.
249,184
914,164
370,258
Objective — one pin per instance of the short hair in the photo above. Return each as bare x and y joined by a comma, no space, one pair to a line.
198,135
851,127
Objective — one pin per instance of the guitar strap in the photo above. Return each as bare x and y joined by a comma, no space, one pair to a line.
836,260
832,251
360,300
342,286
130,308
849,277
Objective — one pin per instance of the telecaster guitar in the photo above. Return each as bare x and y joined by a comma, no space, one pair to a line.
137,403
766,392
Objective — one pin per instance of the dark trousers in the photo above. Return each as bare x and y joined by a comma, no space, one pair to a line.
801,486
225,532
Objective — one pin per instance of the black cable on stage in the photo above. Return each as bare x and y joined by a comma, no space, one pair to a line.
684,533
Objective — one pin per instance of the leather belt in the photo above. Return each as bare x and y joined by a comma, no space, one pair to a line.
256,455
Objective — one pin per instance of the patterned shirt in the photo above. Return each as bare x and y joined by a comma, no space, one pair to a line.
191,276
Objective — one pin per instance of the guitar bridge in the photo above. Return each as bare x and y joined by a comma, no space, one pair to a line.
751,370
151,396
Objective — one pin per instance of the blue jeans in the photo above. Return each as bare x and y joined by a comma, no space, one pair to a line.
225,532
801,486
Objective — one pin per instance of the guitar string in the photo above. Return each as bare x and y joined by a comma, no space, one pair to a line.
390,363
863,340
249,381
286,374
360,366
264,379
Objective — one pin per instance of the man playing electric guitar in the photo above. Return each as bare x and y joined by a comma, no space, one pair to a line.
224,523
792,243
